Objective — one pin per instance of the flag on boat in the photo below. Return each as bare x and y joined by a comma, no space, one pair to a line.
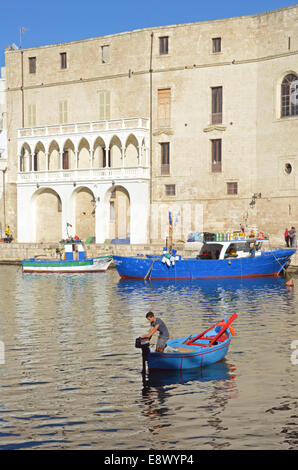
68,225
170,222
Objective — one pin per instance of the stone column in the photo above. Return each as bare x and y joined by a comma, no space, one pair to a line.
61,159
123,156
76,152
139,154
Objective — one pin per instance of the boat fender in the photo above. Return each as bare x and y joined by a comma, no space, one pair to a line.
168,262
261,235
163,260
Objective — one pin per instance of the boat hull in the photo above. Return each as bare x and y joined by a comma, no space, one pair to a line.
199,357
92,265
268,264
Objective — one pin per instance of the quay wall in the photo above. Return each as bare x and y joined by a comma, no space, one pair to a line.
14,253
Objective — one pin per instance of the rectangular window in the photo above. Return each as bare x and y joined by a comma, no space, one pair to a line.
32,64
63,60
31,115
65,160
105,54
170,189
165,158
63,114
106,162
104,105
232,188
216,45
216,155
216,105
164,45
35,162
164,107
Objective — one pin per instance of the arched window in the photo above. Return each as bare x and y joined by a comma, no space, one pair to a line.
289,96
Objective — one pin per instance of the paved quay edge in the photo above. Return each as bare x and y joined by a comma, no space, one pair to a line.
14,253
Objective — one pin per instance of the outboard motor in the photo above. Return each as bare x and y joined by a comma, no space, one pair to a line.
143,343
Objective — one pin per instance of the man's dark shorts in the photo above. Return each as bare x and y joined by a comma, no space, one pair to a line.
161,341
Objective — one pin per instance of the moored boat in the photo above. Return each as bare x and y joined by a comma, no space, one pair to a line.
73,260
242,257
189,352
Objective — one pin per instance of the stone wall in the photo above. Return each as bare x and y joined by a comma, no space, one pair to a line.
257,52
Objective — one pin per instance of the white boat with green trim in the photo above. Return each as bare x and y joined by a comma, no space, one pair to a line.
73,260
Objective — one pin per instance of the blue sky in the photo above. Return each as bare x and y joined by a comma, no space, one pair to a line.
70,20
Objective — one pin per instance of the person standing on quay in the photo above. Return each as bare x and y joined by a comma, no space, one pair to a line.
292,235
287,237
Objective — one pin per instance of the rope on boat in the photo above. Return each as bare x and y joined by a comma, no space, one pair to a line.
283,269
150,270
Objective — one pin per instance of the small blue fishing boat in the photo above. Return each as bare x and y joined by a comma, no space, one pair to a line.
189,352
243,257
72,260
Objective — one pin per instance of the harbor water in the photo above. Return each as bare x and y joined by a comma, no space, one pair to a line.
70,375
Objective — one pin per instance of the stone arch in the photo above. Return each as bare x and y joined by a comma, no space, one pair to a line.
68,155
289,92
83,154
118,202
39,157
131,151
54,155
25,158
115,152
99,153
84,211
46,211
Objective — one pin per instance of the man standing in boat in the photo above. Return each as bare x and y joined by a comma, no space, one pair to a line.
158,325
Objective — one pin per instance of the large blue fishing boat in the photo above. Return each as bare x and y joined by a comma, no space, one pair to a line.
238,258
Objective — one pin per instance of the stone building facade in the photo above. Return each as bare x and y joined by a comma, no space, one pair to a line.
3,149
108,134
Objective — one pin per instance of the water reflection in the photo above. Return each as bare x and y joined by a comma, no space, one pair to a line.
219,371
72,376
210,390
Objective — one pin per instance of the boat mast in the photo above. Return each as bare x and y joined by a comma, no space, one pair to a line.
170,232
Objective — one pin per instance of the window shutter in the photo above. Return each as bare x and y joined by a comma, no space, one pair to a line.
63,114
29,115
104,105
32,115
164,107
108,107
